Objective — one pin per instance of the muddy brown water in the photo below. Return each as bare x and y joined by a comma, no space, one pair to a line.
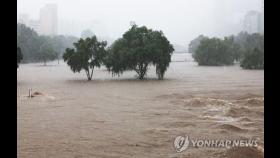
124,117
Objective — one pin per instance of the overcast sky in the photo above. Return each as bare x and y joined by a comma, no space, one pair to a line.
180,20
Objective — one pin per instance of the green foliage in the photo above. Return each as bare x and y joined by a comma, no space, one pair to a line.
19,55
117,59
253,59
193,45
215,52
138,48
31,43
244,47
28,41
162,51
241,40
46,53
88,54
234,48
253,55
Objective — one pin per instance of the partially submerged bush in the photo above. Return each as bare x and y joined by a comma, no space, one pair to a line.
214,52
253,55
253,59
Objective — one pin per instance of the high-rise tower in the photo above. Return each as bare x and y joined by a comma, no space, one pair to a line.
48,19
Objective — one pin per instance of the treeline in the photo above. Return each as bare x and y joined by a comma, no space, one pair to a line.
38,48
247,49
138,48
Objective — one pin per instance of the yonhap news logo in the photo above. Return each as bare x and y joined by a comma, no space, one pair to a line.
181,143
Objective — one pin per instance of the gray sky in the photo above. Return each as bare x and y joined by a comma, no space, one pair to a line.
180,20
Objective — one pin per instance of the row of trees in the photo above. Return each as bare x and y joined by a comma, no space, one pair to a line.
39,48
248,49
138,48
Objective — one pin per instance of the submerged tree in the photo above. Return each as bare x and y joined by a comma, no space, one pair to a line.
253,56
19,56
46,53
248,49
138,48
193,45
214,52
87,54
162,51
253,59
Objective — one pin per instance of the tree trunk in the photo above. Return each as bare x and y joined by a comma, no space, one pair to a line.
141,70
159,73
89,74
141,77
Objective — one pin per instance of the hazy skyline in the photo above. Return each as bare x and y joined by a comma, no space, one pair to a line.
180,20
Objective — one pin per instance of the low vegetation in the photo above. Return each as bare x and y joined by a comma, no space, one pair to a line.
247,49
214,52
253,55
193,45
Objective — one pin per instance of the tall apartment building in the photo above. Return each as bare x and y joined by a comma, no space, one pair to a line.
262,17
253,22
48,19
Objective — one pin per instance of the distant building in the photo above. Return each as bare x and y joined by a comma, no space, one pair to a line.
262,17
253,22
48,19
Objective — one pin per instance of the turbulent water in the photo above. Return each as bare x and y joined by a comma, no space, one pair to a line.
124,117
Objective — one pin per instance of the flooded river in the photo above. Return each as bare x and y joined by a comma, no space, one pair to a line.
124,117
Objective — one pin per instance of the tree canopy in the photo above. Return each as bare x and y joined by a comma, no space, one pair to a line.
46,53
87,54
253,55
214,52
246,48
31,43
138,48
193,45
